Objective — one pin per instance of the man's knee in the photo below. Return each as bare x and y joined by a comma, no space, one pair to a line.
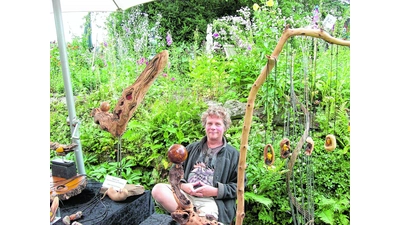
159,192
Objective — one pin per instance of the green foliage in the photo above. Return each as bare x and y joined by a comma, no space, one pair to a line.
182,18
332,211
209,76
170,111
268,24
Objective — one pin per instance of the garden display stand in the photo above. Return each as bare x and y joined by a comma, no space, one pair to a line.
287,33
115,123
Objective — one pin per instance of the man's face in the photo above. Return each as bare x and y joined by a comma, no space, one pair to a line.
214,128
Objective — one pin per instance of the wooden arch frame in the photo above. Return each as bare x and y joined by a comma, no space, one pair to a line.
287,33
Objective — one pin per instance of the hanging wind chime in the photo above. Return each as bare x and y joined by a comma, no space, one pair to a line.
330,139
269,153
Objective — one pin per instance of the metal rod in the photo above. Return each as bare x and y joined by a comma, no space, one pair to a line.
119,157
67,84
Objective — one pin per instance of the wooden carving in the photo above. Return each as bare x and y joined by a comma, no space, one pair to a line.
269,155
132,96
186,213
64,189
62,149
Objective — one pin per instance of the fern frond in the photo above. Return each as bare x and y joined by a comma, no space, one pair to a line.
258,198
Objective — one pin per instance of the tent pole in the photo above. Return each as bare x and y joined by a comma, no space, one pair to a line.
73,122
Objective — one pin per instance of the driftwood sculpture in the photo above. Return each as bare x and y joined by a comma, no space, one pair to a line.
185,214
132,96
62,149
122,194
54,203
287,33
64,189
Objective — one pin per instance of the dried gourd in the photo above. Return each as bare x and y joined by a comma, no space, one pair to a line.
330,142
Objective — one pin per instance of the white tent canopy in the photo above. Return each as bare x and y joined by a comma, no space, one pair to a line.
57,8
74,26
97,5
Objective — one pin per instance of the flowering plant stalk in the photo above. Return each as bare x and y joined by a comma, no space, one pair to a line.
233,30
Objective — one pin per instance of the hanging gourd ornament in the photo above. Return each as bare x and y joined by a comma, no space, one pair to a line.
309,146
285,148
330,142
177,153
269,155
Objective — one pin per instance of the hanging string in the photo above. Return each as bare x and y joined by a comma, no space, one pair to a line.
305,176
305,90
309,185
336,88
266,110
286,114
267,101
330,84
292,97
275,77
313,83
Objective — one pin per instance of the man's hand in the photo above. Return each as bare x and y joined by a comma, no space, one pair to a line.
199,189
190,187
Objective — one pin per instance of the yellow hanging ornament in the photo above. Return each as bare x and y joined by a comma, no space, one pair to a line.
330,142
269,155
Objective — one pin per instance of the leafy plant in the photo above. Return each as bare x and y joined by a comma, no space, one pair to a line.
170,111
331,211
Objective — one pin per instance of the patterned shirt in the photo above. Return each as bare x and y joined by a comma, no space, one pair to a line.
203,170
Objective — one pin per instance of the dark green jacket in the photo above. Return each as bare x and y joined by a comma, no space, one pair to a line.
225,177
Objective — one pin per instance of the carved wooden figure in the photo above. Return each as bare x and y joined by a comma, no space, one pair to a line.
185,214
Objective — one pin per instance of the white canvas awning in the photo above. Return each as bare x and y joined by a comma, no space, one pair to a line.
97,5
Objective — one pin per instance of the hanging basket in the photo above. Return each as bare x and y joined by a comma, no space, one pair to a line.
269,155
309,146
285,148
330,142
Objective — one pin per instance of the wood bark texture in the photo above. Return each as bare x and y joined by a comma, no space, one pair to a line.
287,33
131,97
186,213
133,189
66,188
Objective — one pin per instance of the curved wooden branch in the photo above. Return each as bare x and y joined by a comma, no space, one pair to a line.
132,96
240,214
